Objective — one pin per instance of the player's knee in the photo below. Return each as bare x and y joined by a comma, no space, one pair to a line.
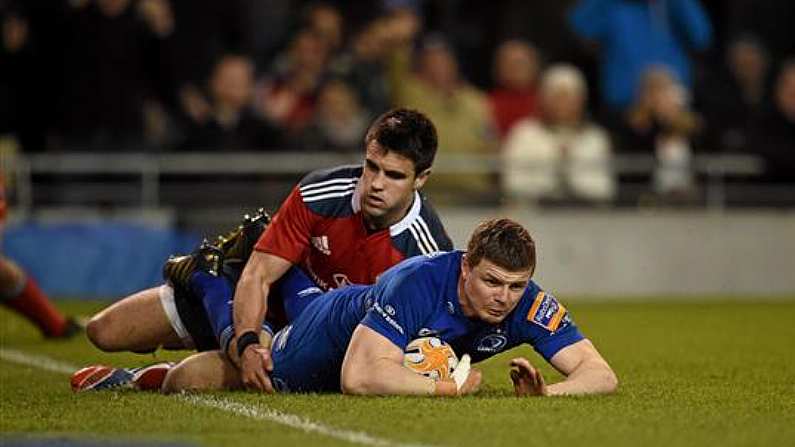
99,331
177,379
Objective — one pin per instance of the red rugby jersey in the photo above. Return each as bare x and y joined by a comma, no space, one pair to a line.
320,227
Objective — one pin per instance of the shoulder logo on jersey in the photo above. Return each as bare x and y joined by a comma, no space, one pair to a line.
492,343
546,311
321,244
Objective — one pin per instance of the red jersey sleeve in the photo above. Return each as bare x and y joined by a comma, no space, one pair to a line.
288,234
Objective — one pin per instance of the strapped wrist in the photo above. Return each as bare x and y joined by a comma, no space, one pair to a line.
244,340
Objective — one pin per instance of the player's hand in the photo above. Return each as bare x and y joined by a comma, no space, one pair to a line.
255,364
472,383
464,380
527,380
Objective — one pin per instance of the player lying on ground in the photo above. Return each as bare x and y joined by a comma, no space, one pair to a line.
341,225
481,302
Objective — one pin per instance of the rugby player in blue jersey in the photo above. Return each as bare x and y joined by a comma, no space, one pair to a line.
481,301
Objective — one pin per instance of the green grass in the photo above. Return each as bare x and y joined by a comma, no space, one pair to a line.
706,373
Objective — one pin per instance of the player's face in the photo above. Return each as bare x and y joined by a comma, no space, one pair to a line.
387,186
489,292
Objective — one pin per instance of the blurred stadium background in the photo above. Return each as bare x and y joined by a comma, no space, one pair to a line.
648,145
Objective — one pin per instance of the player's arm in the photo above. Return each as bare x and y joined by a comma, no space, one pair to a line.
586,371
373,365
249,308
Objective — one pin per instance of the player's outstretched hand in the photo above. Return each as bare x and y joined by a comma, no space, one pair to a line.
527,380
255,364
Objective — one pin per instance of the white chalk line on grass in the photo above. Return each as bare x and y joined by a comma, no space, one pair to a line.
254,412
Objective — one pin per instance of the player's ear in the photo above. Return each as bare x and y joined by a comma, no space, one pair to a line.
464,266
421,178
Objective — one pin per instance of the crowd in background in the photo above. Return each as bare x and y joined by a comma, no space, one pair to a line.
563,84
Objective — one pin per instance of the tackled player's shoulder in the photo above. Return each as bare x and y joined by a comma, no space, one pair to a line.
328,192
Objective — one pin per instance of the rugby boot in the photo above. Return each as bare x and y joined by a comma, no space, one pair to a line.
178,269
101,377
239,244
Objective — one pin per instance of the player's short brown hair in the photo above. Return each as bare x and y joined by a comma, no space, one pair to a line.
503,242
408,133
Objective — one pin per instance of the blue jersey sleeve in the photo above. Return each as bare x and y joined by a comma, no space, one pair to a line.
546,324
402,301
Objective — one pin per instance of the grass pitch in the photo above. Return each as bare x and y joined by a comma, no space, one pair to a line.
691,373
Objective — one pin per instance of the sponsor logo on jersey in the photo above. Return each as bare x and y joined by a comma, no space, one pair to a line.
492,343
381,311
450,308
321,244
546,312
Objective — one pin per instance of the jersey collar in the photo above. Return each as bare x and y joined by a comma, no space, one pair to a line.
404,223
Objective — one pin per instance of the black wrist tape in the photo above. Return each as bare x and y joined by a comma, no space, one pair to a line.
245,339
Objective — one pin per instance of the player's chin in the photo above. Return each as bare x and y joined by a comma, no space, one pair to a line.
373,209
492,317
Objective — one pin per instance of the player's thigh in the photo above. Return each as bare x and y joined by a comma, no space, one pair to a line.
137,322
204,371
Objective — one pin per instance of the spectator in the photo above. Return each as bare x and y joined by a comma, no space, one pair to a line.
230,123
773,133
110,75
339,123
730,98
460,111
514,96
560,154
635,34
327,23
660,122
287,96
363,67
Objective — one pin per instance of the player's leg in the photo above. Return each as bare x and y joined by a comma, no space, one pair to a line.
295,289
21,293
204,371
140,323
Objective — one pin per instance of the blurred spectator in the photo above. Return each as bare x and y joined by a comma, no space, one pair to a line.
203,31
460,111
773,133
635,34
286,96
230,123
363,67
560,155
730,98
660,122
325,20
770,20
339,123
19,81
110,76
514,95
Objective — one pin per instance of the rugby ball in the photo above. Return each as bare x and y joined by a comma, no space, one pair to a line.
431,357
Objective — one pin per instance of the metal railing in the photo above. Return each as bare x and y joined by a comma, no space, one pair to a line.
150,169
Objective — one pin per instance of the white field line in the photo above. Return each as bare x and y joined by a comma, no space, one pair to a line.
259,413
